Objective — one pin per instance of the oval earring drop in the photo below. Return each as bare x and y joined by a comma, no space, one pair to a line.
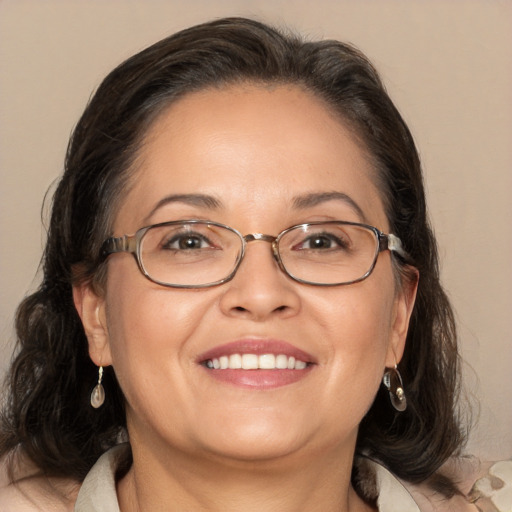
98,393
393,382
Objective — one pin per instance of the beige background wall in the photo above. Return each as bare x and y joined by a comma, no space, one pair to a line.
447,64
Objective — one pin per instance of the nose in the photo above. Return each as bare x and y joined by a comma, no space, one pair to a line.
260,289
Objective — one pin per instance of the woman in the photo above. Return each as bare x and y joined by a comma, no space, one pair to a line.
238,256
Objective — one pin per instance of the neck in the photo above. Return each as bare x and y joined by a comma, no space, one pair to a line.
171,480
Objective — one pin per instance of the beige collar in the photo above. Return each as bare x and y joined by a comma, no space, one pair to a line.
98,491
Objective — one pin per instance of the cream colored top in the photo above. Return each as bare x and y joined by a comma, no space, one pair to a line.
491,493
98,493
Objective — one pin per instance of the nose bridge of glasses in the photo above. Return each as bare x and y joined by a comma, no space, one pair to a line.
261,237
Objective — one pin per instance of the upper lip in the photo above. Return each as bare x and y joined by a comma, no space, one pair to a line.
258,347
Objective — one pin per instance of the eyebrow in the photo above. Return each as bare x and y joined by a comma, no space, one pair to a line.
201,200
316,198
300,202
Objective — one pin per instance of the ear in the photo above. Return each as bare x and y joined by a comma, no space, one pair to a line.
91,309
402,310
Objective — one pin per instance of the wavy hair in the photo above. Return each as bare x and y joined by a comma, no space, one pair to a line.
47,413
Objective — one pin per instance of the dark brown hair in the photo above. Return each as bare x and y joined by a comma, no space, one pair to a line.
47,413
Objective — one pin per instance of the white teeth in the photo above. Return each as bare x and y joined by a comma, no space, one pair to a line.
256,362
250,362
235,361
300,365
281,362
267,361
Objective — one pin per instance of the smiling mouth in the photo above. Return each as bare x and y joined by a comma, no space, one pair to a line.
255,362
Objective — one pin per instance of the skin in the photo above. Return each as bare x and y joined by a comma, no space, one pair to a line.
202,444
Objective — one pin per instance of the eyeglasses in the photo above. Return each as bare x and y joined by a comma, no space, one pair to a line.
198,254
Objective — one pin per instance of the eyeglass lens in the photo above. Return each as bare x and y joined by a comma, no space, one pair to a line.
197,254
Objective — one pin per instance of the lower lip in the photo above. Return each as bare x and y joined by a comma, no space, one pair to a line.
259,379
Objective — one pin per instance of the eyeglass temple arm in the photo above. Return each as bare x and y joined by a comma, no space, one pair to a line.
394,244
112,245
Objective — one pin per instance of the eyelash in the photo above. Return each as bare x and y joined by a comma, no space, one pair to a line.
180,236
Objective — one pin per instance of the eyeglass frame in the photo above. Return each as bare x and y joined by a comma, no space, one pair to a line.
132,244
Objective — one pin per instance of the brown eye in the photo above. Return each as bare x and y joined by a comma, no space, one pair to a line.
186,242
321,241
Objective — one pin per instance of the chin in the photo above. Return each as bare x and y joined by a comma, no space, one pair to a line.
257,440
255,450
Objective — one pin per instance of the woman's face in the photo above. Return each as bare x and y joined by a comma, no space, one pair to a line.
267,157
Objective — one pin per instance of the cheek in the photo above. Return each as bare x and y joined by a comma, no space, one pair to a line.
359,318
356,330
149,327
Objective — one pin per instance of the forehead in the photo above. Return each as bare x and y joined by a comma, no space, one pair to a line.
251,147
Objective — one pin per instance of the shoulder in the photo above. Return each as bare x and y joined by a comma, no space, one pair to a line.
492,492
98,491
33,492
449,489
377,483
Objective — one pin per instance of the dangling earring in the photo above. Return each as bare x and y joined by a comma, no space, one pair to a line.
393,382
98,393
